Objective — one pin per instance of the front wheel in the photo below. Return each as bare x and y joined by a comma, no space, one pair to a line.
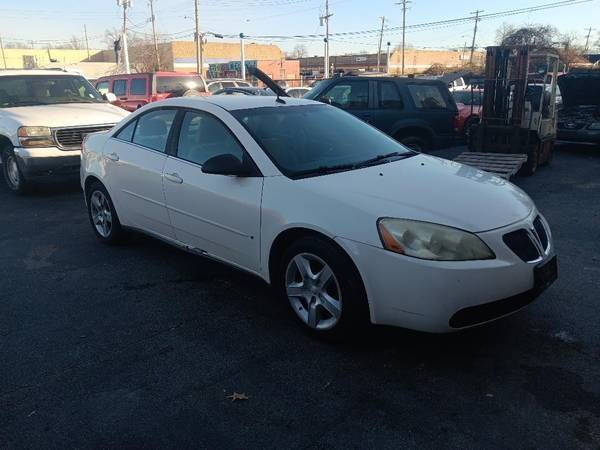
13,176
103,216
323,287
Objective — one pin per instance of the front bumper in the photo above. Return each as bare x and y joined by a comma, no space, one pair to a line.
38,162
587,137
435,296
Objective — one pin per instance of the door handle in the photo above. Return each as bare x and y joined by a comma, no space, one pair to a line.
123,98
174,178
113,156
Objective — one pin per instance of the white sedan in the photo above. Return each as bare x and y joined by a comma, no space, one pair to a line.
348,225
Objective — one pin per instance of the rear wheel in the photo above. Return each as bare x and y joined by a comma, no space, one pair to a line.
322,287
13,176
415,143
103,216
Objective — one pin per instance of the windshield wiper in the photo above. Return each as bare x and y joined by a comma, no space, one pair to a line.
323,170
379,158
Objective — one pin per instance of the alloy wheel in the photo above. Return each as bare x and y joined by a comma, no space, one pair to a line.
313,291
12,171
101,213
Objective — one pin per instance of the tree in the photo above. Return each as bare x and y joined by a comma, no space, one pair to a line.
300,51
539,36
142,56
569,50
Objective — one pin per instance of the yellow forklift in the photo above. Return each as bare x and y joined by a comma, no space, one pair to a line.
517,129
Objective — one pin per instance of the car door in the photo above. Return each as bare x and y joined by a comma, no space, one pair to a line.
352,96
119,88
435,106
389,105
138,92
135,157
215,214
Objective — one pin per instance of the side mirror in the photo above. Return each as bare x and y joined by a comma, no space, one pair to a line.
325,99
110,97
227,164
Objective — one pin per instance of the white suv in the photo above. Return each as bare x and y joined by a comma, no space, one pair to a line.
44,116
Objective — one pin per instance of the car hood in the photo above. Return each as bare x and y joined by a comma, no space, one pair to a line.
580,88
66,115
429,189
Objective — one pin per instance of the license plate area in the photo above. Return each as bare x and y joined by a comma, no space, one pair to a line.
545,274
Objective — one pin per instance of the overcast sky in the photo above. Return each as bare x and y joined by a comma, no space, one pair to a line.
59,19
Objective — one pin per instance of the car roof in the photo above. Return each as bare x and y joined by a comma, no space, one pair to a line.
235,102
6,73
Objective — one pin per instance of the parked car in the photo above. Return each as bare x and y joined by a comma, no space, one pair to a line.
579,117
244,91
216,84
297,92
348,225
44,116
419,113
469,110
138,89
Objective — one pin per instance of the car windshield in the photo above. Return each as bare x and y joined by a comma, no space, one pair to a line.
313,140
32,90
468,97
179,85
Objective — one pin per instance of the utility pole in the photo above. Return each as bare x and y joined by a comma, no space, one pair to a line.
326,19
198,38
474,35
153,19
387,67
380,38
3,56
403,3
587,39
242,57
87,44
125,4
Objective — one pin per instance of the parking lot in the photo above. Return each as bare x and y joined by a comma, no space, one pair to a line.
139,346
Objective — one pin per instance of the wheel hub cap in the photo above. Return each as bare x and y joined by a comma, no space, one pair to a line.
313,291
13,171
101,214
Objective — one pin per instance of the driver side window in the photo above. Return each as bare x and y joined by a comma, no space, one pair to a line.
203,136
349,95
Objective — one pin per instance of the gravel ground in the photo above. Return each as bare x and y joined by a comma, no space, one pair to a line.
139,346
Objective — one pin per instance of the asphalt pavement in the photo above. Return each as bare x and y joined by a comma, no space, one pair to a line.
139,346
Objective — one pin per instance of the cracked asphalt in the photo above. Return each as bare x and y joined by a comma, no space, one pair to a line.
139,346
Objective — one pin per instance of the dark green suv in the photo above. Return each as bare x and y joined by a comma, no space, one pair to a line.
419,113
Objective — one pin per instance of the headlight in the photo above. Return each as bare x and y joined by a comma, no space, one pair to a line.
36,137
426,240
594,126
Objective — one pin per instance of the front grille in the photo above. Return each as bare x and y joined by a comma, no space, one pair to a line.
72,138
541,232
520,243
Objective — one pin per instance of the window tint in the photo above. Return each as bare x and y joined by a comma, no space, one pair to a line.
301,139
203,136
138,86
427,96
214,87
349,95
102,87
228,84
127,133
120,88
153,129
389,97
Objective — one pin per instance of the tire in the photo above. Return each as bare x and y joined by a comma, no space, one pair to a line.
103,215
415,143
15,181
334,309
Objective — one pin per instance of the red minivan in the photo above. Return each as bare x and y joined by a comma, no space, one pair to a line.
138,89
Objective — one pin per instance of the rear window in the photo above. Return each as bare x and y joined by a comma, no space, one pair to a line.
228,84
179,85
426,96
138,86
